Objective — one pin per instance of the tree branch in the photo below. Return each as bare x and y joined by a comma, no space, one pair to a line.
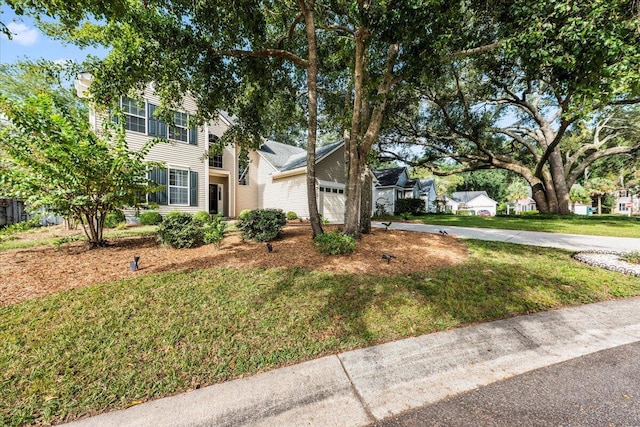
264,53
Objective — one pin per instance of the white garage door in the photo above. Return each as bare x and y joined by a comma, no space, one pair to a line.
331,204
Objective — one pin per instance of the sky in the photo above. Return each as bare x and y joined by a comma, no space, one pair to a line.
29,42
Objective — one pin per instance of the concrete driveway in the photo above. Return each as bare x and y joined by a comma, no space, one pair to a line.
572,242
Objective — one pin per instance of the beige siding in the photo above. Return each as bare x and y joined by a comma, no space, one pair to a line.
288,194
173,153
331,168
247,195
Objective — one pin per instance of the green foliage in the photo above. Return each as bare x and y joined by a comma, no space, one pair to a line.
631,257
19,227
150,218
465,212
202,217
412,206
579,194
335,243
262,225
114,218
66,239
291,215
244,214
532,212
53,158
179,230
215,230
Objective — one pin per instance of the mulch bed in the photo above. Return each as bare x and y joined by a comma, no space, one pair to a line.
38,271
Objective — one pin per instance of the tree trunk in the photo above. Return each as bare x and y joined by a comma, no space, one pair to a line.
559,182
312,78
365,204
354,189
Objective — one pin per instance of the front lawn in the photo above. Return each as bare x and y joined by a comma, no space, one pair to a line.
113,345
595,225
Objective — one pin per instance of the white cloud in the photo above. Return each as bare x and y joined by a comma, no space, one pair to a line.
22,34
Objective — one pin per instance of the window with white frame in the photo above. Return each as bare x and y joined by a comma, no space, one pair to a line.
243,168
134,115
141,117
622,207
178,187
179,130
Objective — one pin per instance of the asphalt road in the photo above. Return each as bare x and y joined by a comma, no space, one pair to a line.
600,389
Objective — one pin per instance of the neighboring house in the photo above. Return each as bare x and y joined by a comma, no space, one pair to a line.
473,200
525,204
227,182
626,202
392,184
428,193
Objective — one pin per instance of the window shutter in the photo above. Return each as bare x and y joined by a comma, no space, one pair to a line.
152,197
193,136
161,195
157,127
193,188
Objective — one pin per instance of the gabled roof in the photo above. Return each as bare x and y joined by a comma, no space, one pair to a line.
285,157
425,183
467,196
388,177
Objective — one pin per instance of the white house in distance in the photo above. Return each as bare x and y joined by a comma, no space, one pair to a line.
273,176
474,200
626,203
394,183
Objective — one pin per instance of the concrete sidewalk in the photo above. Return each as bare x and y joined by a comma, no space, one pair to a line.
573,242
357,388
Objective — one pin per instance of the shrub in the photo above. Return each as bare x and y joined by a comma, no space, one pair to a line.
150,218
262,225
244,213
529,213
466,212
202,217
413,206
179,230
291,215
214,231
113,218
335,243
631,257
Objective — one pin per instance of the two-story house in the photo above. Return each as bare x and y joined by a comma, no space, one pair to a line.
227,182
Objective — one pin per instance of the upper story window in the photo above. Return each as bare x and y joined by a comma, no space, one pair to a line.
141,117
215,159
179,132
134,116
243,168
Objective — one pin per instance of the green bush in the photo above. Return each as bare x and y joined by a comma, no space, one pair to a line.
529,213
413,206
113,218
215,230
244,213
466,212
291,215
202,217
631,257
150,218
179,230
261,225
335,243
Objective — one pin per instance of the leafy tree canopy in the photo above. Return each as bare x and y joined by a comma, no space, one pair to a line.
52,159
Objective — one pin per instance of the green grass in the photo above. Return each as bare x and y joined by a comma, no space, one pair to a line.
113,345
595,225
11,243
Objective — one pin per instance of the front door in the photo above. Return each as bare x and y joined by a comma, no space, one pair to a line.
213,198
